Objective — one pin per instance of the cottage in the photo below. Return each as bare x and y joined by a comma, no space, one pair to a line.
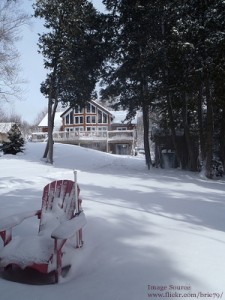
92,126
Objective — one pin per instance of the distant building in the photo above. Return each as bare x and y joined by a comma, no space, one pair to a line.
43,125
92,126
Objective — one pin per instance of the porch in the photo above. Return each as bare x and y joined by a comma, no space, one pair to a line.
107,141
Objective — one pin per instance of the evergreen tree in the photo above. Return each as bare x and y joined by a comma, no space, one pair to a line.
131,73
168,56
72,53
200,28
15,143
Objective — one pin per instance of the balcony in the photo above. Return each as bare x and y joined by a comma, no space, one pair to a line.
87,136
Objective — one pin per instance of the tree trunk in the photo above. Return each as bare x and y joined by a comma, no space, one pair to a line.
173,130
145,109
192,162
46,150
200,128
209,134
51,118
52,106
222,140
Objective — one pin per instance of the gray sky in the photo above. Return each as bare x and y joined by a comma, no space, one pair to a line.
32,70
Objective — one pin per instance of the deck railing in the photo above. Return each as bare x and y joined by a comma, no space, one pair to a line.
61,136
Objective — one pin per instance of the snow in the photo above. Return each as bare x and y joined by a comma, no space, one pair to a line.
57,123
37,249
7,223
159,231
66,230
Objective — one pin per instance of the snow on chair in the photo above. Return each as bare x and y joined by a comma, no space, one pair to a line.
60,231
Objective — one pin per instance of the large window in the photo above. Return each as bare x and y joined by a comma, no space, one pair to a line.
102,117
90,119
70,118
78,109
91,108
99,116
79,120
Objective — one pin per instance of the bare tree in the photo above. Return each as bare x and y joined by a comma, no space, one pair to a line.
3,116
11,20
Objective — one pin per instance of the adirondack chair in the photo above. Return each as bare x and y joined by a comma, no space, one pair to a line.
60,231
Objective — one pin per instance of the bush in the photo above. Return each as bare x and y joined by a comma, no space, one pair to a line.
15,143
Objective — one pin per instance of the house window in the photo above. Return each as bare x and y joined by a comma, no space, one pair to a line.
80,128
68,119
104,118
69,129
90,128
102,128
72,117
99,116
78,109
79,120
121,128
90,119
91,108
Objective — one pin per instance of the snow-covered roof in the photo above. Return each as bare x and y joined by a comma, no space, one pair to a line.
58,121
97,104
120,116
5,127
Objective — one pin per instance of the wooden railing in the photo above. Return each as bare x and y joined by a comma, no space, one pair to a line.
108,136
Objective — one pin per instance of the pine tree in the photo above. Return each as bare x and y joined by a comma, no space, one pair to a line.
71,50
15,143
131,73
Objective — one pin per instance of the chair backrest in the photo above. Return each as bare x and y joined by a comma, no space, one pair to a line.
58,204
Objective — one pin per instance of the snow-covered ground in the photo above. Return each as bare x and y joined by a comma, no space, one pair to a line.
148,234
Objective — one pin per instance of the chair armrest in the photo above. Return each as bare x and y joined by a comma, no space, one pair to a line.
69,228
11,221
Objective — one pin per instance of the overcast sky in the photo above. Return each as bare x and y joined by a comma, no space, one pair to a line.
32,70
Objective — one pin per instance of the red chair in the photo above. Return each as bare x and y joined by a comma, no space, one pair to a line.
60,231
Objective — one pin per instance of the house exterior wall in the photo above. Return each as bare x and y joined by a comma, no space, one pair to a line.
90,118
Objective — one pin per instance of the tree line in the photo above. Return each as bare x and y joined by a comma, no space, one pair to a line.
165,58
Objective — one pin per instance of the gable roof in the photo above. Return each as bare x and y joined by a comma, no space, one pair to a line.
57,123
92,102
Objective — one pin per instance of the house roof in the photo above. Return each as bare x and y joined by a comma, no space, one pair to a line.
5,127
58,121
93,102
120,116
